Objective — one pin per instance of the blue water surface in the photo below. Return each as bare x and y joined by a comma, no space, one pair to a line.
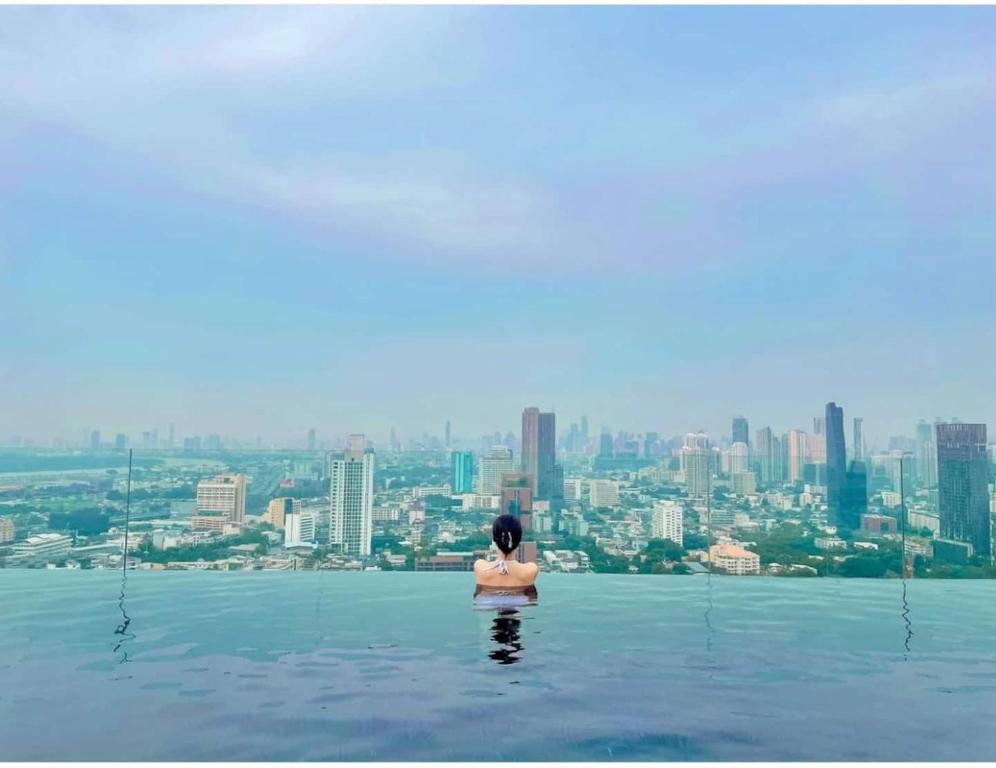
399,666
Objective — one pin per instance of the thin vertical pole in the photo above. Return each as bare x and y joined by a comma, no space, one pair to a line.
124,560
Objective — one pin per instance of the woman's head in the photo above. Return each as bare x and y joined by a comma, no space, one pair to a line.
507,533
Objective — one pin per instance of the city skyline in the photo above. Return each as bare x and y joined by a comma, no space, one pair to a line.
210,214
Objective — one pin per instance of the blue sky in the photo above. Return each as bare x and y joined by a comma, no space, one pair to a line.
258,220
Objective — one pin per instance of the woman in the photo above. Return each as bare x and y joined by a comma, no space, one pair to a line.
505,576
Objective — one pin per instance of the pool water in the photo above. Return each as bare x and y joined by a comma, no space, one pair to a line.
400,666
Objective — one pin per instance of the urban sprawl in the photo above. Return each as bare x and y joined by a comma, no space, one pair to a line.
796,503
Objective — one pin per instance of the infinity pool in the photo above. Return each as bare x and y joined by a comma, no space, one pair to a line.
377,666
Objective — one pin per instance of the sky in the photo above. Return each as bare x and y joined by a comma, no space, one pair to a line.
252,221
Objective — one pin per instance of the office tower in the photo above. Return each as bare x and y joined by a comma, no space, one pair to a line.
351,499
95,440
517,500
963,485
447,444
539,452
667,522
836,457
278,510
859,443
926,455
491,468
224,496
299,529
740,431
819,425
463,471
120,442
605,449
796,454
739,457
603,493
764,450
311,440
853,501
696,460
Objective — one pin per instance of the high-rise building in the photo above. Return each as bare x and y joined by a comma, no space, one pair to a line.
447,438
351,499
696,462
517,500
278,510
311,440
764,450
926,455
836,458
463,471
539,452
7,529
172,436
491,468
224,496
743,483
739,457
853,499
796,454
740,430
859,441
95,440
120,443
963,485
667,522
605,449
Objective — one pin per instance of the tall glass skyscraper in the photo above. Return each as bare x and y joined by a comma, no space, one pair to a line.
836,464
463,471
963,485
740,430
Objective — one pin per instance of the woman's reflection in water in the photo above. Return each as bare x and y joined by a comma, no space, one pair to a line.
505,633
507,624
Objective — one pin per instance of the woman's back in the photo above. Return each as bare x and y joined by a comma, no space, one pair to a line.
504,574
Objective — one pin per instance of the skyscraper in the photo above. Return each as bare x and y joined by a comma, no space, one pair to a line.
95,440
311,439
739,458
491,468
859,443
696,460
926,455
463,471
539,452
836,456
447,433
853,501
351,499
605,445
796,454
740,430
963,485
764,450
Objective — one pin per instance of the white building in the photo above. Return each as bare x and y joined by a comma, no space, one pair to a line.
7,530
735,560
603,493
299,528
696,457
744,483
490,468
351,500
224,495
431,490
891,499
668,521
40,549
572,489
469,501
739,458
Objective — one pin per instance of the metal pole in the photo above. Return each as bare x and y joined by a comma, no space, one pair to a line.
124,560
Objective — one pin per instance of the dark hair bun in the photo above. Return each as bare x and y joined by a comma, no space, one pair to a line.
506,532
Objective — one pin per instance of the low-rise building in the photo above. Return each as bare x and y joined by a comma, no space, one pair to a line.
735,560
41,549
446,561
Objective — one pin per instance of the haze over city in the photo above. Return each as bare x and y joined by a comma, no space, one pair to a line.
256,221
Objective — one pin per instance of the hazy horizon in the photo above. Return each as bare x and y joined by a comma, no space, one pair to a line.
255,221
